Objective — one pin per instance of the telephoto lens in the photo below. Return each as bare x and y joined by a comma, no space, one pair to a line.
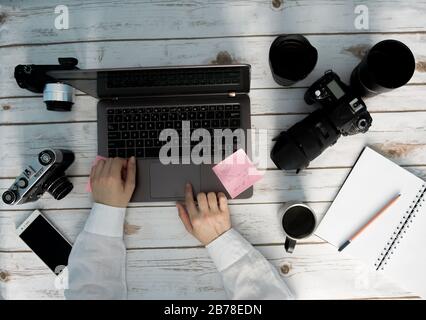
291,59
306,140
388,65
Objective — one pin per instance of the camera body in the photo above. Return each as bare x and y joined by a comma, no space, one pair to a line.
347,112
342,113
46,173
57,96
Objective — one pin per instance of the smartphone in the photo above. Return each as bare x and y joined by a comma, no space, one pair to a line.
46,241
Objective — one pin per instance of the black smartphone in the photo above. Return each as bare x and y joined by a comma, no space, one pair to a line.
45,241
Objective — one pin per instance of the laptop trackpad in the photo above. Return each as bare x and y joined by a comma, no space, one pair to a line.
168,181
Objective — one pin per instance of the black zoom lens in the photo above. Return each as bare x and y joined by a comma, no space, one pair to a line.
60,187
303,142
390,64
9,197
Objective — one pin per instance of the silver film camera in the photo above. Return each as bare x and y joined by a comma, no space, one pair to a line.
46,173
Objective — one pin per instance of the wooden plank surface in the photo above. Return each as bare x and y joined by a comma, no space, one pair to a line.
158,227
399,135
190,274
338,52
163,260
24,22
31,110
312,185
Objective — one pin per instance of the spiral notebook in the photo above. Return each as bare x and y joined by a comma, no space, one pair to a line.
394,244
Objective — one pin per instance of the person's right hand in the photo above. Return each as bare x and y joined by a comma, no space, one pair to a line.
209,219
113,181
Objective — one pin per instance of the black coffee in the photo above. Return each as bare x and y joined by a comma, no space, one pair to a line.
298,222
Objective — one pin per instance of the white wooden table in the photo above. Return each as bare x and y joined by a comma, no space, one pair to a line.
163,260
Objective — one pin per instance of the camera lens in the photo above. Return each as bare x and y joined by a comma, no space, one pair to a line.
388,65
60,187
58,96
9,197
285,146
46,157
304,141
291,59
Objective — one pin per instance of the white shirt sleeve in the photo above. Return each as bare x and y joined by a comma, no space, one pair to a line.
97,263
246,274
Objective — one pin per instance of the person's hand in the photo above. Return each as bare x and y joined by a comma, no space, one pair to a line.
209,219
113,181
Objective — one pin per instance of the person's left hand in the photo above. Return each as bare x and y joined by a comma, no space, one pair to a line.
113,181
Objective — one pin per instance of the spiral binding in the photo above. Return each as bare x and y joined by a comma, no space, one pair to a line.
401,229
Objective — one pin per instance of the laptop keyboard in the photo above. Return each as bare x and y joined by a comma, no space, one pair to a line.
135,131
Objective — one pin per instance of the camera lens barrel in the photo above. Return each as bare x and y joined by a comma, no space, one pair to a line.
58,96
388,65
291,59
306,140
60,187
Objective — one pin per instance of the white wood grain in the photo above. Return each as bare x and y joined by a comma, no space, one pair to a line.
190,274
170,32
311,185
155,227
263,101
399,135
33,21
338,52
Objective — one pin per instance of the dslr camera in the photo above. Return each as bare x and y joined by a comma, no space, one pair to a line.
342,113
57,96
46,173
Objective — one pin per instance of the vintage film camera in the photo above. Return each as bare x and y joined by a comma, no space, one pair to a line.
342,113
57,96
46,173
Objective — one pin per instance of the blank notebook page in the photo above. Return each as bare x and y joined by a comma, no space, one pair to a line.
372,183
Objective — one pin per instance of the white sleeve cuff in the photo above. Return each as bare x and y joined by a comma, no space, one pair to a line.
106,220
227,249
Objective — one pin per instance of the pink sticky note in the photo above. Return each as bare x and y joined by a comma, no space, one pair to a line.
88,185
237,173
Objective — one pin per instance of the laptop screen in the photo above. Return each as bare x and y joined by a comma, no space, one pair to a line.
157,81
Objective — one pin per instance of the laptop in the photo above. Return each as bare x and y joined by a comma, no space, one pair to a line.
136,104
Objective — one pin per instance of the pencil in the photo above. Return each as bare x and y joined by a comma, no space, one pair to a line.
378,214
